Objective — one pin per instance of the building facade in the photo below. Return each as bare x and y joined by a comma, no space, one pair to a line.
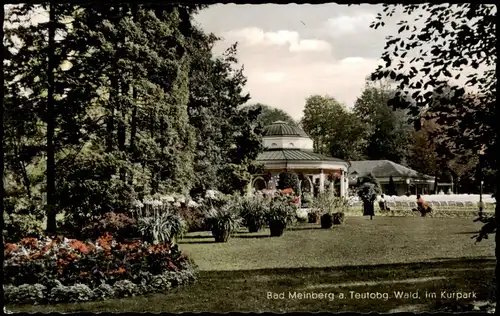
289,148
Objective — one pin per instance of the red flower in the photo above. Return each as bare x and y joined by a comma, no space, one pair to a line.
80,246
8,248
30,242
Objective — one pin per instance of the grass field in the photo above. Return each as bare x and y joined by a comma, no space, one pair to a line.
386,254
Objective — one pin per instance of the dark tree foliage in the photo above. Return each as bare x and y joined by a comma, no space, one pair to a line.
439,43
391,189
132,107
289,179
369,178
269,115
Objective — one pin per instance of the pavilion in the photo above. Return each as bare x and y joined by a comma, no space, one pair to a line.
289,148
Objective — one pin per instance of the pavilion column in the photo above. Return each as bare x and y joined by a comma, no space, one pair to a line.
322,181
342,184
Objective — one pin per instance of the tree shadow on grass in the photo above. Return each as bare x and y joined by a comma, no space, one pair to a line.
251,236
197,236
182,241
295,228
468,233
230,290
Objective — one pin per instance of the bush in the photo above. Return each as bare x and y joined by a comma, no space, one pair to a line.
368,192
281,210
18,226
119,225
223,221
25,293
252,210
72,261
194,218
327,203
289,180
158,223
72,271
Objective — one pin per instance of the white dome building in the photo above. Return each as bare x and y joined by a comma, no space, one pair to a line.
288,147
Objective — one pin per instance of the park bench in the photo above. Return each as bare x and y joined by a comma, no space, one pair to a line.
469,204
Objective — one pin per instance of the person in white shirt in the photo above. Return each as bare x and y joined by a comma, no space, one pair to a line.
382,204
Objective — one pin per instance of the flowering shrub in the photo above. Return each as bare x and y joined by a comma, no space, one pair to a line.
72,262
117,224
17,226
57,293
194,217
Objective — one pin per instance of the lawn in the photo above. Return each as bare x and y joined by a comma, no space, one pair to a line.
387,254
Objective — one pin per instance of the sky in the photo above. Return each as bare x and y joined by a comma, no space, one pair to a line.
290,52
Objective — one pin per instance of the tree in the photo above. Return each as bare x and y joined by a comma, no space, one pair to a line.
270,115
389,132
289,179
444,53
391,190
334,129
225,147
2,110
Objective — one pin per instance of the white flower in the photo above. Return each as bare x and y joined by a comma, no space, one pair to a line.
148,201
138,204
192,203
177,204
167,198
156,203
181,199
211,194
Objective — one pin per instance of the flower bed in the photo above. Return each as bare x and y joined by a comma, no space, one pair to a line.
61,270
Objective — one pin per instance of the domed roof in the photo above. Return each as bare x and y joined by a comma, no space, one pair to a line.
281,128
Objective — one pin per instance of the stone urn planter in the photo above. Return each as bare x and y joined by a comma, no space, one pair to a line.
253,227
221,235
327,221
338,218
313,218
277,228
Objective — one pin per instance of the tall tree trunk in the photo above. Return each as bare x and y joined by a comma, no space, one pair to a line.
133,130
435,184
2,109
133,123
121,132
51,185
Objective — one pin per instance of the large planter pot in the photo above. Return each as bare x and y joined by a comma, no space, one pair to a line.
221,235
313,218
338,218
253,228
277,228
368,209
327,221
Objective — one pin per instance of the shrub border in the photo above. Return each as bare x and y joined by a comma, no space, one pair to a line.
58,293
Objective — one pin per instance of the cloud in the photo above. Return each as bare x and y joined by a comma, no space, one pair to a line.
349,24
283,69
253,36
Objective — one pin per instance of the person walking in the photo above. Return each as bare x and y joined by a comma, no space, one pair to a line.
382,204
422,206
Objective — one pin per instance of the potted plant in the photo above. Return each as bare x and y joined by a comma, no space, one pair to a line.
368,195
280,213
313,216
306,199
252,210
159,224
223,221
330,208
